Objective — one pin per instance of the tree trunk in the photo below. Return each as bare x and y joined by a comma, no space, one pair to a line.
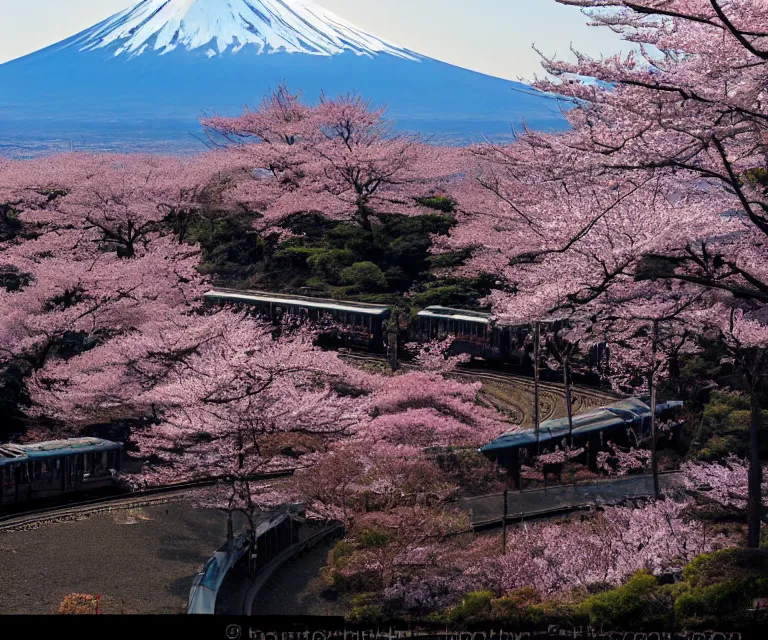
364,216
569,408
754,504
654,454
230,532
392,350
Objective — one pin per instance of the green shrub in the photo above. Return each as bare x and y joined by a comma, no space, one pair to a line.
727,564
439,203
365,609
452,293
475,606
295,255
372,539
720,604
725,428
231,252
338,559
365,275
329,263
343,573
721,586
757,175
637,603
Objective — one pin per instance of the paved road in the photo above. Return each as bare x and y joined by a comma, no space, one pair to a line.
534,502
298,588
140,560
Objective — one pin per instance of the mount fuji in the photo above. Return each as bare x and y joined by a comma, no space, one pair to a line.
141,79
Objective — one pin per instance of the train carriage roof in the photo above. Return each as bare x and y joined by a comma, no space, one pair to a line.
13,453
235,295
621,413
555,430
461,315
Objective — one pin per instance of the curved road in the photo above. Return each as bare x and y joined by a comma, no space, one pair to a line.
297,588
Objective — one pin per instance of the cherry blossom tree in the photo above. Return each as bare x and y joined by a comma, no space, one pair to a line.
554,557
436,355
389,461
619,462
743,332
340,158
660,179
646,328
725,483
686,107
423,409
92,262
232,402
562,350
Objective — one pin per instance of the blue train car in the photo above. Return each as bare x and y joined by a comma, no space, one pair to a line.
625,422
48,469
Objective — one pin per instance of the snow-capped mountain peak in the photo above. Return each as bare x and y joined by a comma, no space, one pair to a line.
218,26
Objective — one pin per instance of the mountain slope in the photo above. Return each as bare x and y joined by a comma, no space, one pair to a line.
142,78
291,26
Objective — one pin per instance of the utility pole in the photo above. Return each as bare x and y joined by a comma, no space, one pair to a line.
536,413
504,522
568,398
654,457
652,385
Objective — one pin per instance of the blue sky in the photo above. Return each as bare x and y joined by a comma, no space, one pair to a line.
491,36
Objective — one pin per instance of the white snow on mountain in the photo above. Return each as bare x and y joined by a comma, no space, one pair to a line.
293,26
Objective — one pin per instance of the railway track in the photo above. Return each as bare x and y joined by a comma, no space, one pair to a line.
513,394
32,518
516,392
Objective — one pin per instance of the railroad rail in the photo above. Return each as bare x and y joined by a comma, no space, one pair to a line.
552,394
30,518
